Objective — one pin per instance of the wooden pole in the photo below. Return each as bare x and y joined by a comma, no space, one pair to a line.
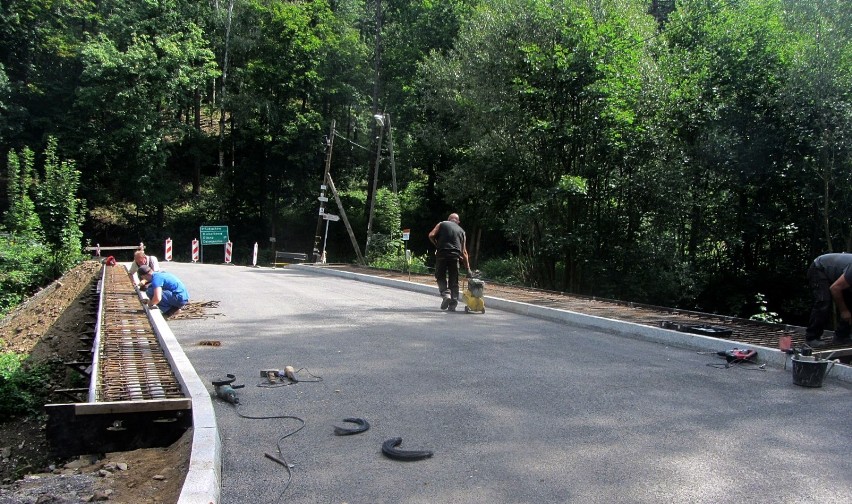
375,184
392,161
345,221
325,177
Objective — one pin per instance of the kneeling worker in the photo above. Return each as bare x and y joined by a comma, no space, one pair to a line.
165,291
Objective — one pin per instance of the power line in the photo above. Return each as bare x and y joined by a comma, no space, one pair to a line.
338,135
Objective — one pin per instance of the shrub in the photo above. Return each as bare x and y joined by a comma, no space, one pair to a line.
23,389
507,270
24,266
389,254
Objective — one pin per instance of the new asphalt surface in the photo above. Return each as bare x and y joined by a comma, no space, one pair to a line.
516,409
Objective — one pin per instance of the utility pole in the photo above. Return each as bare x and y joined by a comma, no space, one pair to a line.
323,198
381,120
392,161
361,260
377,87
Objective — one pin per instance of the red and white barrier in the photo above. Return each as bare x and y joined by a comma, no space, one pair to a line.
168,255
229,247
254,256
194,250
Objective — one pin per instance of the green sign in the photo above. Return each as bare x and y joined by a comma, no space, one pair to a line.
214,235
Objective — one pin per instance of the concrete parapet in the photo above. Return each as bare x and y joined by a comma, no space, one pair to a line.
203,483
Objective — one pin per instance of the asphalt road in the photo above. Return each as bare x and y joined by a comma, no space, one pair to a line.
515,409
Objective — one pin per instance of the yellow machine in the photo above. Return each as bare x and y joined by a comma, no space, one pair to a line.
473,296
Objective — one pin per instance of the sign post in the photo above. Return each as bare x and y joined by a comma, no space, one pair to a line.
406,234
328,218
212,235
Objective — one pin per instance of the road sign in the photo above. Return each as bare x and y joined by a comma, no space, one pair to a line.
405,234
331,217
214,235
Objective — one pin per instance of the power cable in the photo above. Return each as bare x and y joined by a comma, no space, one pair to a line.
280,459
338,135
226,391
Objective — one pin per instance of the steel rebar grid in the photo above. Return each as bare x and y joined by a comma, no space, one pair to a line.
132,365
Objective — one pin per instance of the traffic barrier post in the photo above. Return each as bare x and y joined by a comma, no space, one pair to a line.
228,249
194,250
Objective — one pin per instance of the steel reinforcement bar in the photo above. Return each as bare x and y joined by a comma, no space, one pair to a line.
134,399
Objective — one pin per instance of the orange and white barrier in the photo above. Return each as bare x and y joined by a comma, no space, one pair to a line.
168,255
229,247
254,256
194,250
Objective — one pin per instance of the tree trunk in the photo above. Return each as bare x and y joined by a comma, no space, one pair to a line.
196,172
224,87
377,70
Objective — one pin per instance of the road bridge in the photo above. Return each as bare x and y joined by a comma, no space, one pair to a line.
515,408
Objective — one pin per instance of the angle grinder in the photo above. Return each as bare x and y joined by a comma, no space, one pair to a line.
225,390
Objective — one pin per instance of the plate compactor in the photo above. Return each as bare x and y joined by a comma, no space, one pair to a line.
473,295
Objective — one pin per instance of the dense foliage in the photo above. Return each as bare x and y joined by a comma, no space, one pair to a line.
23,390
41,236
40,240
696,155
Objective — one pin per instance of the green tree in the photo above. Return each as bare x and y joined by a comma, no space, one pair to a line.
724,65
4,105
39,53
140,78
24,258
21,218
293,66
541,91
60,209
818,106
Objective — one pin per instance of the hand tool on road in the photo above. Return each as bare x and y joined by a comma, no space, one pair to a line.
738,355
225,390
273,375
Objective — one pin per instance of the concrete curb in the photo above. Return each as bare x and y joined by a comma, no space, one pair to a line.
770,356
203,483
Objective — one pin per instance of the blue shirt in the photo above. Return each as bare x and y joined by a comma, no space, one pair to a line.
169,282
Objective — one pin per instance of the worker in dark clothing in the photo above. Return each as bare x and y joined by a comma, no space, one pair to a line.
830,278
450,243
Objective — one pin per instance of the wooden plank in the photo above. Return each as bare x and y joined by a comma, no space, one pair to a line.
118,247
104,408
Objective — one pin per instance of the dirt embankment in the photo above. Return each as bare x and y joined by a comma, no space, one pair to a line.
47,328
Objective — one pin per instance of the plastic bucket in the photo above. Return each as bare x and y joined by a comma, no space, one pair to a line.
809,373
